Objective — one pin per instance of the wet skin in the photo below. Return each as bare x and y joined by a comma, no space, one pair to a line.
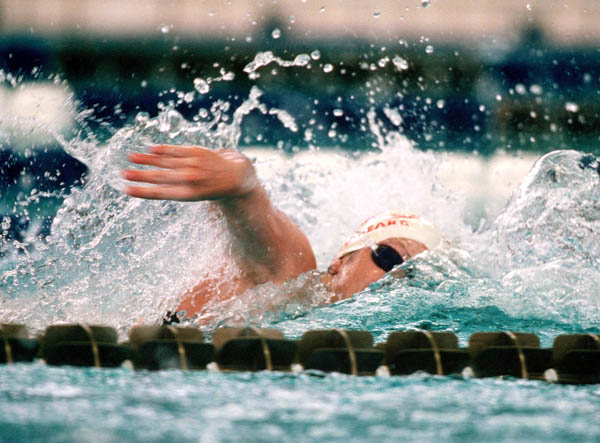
267,246
355,271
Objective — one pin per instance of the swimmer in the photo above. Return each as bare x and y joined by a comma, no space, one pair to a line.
267,245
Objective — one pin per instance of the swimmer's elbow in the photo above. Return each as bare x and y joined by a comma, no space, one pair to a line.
304,259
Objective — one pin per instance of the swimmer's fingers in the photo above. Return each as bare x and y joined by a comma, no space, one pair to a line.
161,177
163,192
181,151
160,161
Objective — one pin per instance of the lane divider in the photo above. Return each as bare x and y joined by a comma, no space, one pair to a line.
573,358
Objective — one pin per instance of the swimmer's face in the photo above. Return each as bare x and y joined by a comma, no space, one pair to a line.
355,271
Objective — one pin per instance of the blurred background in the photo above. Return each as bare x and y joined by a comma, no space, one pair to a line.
466,76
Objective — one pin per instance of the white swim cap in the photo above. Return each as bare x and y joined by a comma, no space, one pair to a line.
388,225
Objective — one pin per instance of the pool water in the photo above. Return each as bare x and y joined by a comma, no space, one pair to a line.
529,261
67,404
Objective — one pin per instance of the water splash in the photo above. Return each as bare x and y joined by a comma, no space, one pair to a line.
115,260
266,58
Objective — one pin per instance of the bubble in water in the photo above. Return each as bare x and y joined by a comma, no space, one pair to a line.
400,63
425,3
429,49
328,68
315,55
165,29
521,89
440,103
528,6
377,14
322,9
498,97
143,83
338,112
276,33
572,107
201,85
292,19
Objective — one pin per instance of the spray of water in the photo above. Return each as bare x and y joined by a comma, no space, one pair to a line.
116,260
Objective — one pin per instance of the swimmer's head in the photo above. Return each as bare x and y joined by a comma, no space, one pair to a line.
376,246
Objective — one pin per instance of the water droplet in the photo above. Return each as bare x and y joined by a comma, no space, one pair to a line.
383,62
338,112
440,103
261,59
201,85
400,63
393,115
165,29
328,68
429,49
425,3
228,76
276,33
377,14
535,89
315,55
572,107
308,135
302,60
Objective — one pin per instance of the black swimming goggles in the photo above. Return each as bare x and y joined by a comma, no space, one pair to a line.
386,257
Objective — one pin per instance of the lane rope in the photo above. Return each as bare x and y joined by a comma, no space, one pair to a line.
180,348
95,352
265,348
436,352
351,352
7,348
513,337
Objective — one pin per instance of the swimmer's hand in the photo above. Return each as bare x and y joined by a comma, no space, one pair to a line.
268,246
191,174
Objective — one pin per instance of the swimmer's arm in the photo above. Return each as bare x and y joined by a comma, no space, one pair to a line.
269,245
